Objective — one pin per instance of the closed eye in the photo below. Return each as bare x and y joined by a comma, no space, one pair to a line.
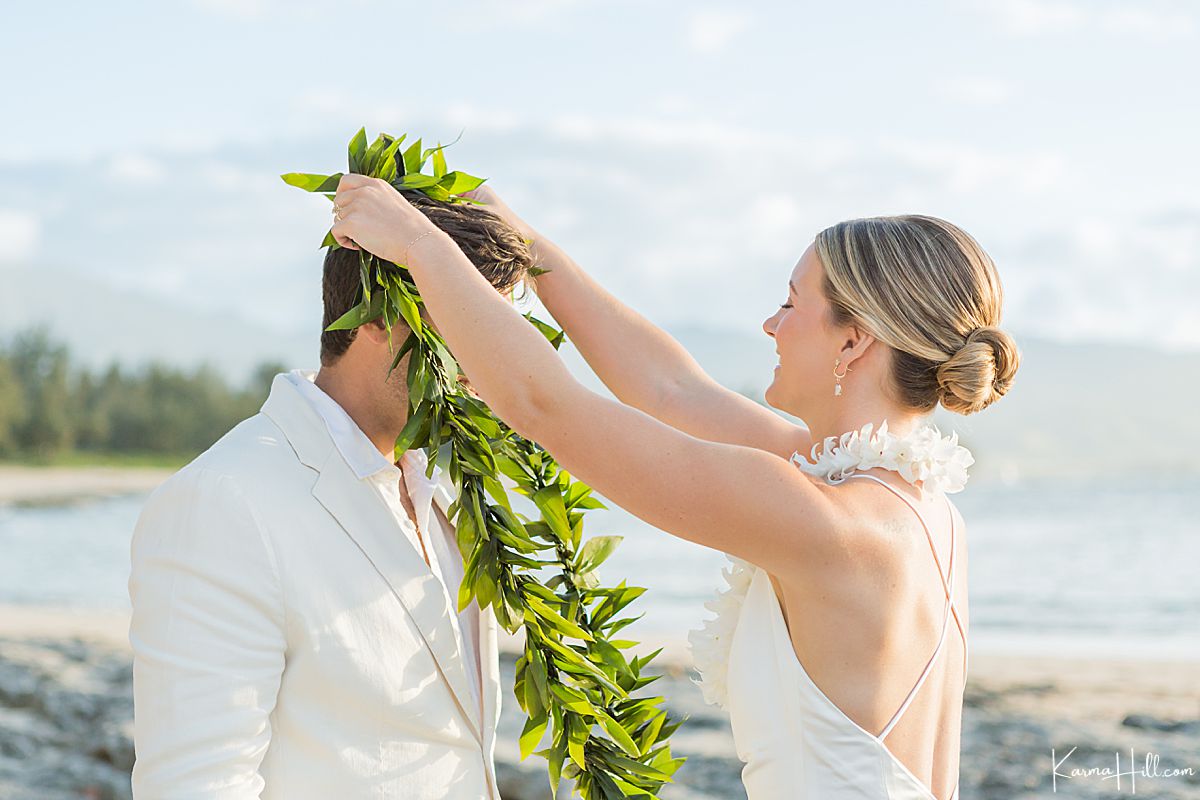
785,305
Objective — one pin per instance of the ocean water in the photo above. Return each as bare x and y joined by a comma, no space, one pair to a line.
1054,567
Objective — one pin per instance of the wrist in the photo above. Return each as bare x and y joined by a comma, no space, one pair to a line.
547,255
418,244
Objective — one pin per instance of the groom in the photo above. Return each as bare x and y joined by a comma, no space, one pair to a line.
294,628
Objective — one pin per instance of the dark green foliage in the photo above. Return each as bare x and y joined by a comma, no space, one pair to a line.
574,679
50,407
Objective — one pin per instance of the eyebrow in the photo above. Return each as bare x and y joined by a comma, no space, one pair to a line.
792,286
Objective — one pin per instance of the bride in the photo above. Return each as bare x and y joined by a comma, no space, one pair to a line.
831,650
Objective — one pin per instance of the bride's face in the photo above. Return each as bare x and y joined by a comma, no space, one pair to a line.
805,339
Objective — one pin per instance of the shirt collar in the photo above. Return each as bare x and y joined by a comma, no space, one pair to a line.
358,451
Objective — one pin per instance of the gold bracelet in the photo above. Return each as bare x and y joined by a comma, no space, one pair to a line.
414,241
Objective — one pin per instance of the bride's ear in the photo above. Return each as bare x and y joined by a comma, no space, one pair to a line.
855,345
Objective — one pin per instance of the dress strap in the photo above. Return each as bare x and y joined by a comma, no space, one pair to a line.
948,588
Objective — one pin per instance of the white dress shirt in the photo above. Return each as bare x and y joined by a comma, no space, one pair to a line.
369,464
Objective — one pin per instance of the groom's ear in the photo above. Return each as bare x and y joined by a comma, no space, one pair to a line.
376,332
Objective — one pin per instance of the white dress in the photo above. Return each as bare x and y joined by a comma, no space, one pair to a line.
795,742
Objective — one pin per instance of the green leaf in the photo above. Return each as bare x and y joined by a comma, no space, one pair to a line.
361,314
370,159
552,334
554,762
312,183
416,181
357,149
576,737
387,168
409,434
595,551
407,307
439,162
412,158
557,620
618,734
459,182
550,502
531,735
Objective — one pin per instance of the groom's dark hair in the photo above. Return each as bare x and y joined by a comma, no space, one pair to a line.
493,246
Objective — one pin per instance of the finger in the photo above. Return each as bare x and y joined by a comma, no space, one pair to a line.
351,181
344,197
342,236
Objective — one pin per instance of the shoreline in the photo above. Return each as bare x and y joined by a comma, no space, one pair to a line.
50,485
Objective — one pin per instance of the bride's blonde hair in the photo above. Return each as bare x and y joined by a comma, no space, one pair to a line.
925,288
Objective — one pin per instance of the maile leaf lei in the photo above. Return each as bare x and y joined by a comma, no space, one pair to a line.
574,680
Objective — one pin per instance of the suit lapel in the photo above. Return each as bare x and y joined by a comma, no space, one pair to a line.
367,521
365,518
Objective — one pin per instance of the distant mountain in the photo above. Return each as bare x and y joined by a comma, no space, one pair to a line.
101,324
1081,410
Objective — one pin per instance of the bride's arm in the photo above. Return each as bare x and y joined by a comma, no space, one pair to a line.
642,364
738,499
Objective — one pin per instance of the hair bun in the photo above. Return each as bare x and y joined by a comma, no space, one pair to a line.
980,372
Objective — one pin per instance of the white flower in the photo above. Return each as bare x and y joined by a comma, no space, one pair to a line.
710,643
924,454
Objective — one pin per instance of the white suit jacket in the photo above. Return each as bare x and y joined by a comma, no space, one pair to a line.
288,641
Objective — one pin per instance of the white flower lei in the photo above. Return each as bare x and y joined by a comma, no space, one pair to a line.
924,454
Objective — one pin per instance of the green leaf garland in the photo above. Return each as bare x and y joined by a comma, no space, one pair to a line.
573,679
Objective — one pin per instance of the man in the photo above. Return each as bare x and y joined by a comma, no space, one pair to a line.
294,589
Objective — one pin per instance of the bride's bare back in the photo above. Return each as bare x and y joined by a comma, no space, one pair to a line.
865,626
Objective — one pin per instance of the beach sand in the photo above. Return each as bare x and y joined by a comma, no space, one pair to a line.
26,485
65,719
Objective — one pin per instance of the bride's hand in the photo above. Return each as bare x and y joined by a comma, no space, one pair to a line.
369,214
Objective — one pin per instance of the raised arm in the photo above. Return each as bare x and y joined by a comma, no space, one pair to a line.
642,364
208,641
739,499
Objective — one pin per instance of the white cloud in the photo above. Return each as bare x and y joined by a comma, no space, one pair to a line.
965,168
668,218
1150,20
1036,16
976,90
19,235
242,9
1147,22
711,30
1094,277
135,170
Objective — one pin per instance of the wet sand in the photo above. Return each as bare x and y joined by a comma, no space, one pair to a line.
65,717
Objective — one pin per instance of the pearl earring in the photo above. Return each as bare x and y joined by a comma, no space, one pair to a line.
837,387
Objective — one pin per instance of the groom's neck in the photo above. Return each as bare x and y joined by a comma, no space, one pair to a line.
368,402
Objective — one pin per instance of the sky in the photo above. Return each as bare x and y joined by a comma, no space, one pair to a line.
684,153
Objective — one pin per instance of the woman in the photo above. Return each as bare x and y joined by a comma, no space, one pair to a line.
883,319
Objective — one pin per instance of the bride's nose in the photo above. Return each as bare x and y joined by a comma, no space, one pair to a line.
768,326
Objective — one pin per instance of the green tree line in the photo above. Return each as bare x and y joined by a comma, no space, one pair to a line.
51,407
